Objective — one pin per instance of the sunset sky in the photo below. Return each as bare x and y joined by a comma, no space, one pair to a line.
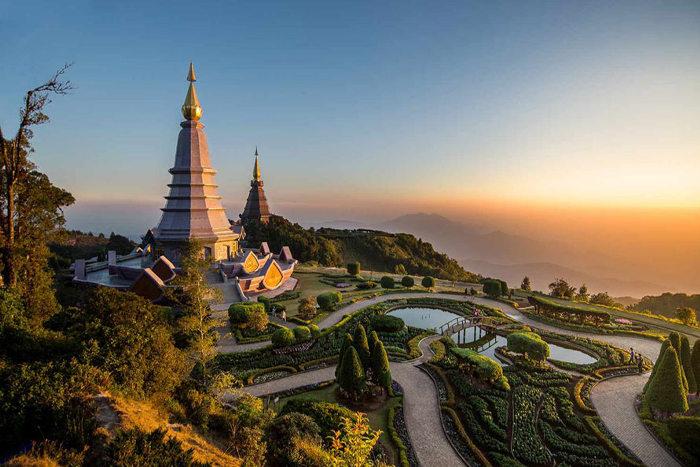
369,110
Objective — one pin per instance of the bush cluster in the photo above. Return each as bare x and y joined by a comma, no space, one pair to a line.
386,323
529,343
328,300
387,282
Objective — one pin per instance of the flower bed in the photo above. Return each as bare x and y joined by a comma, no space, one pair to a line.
445,393
319,363
582,391
619,451
460,439
343,285
269,374
527,445
294,348
399,434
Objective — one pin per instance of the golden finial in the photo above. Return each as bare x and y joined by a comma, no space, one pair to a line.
191,109
256,169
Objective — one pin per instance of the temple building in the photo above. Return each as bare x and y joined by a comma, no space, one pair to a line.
256,208
193,208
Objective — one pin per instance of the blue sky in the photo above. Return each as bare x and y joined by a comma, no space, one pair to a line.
366,110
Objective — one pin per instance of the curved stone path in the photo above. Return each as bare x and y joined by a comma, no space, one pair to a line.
614,399
421,405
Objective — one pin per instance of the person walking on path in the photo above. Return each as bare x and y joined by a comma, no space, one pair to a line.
640,363
632,359
284,316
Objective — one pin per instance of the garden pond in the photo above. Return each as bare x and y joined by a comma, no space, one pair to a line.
476,338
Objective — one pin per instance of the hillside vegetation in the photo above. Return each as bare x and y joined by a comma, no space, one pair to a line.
375,250
667,303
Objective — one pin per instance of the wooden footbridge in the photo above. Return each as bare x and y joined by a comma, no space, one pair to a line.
460,323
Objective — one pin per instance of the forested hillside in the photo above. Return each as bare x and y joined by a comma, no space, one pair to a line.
667,303
376,250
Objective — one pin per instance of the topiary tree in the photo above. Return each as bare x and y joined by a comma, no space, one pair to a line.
301,334
328,300
353,269
492,288
428,282
504,287
529,343
372,341
351,377
315,331
675,339
664,346
666,392
407,281
387,282
266,303
695,363
347,342
687,366
686,432
380,366
386,323
283,337
359,341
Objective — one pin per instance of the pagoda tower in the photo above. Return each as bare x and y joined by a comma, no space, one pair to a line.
193,209
256,208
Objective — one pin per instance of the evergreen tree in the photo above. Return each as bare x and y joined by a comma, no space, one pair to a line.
525,285
687,366
352,377
343,348
695,364
664,346
380,366
675,339
373,339
362,346
666,392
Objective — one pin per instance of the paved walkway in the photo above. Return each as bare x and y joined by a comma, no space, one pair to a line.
421,405
614,399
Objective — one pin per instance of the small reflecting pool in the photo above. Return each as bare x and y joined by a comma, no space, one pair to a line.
476,338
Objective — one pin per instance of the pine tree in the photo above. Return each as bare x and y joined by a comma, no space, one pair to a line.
343,347
687,366
373,339
380,366
664,347
666,392
352,377
695,364
675,339
361,345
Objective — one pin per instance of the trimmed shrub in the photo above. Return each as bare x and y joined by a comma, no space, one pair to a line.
372,341
492,288
366,285
529,343
283,337
351,377
407,281
328,300
247,315
664,347
347,342
387,282
666,392
504,287
483,367
428,282
687,365
695,362
315,331
266,303
301,334
359,341
386,323
686,432
675,339
380,366
353,269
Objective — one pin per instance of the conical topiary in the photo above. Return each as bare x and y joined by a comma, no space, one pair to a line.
675,339
347,342
687,366
664,346
360,343
352,377
695,363
666,392
380,366
373,339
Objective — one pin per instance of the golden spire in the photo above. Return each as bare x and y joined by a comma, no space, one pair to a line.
256,169
191,109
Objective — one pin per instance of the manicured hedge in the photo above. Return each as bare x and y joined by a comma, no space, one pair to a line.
686,432
529,343
315,331
366,285
301,334
328,300
428,282
283,337
240,313
386,323
485,368
353,269
387,282
407,281
560,311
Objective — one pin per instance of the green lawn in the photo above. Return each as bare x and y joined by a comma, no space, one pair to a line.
378,419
